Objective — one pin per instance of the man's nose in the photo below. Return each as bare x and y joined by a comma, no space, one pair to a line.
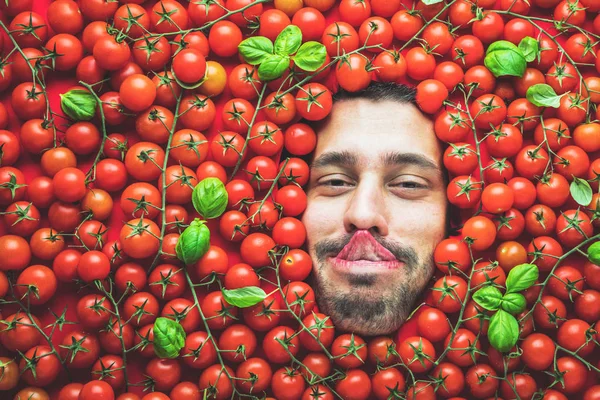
366,208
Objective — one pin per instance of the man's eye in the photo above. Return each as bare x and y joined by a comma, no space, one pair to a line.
411,185
334,182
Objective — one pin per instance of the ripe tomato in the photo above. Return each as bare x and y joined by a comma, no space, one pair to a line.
417,353
463,339
339,37
420,63
216,377
37,283
39,366
449,293
463,191
224,38
140,238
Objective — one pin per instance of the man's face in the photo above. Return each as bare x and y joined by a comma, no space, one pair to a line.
376,179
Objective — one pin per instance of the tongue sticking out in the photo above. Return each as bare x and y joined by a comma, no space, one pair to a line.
363,246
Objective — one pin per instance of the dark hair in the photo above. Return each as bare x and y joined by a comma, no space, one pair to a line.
404,94
381,91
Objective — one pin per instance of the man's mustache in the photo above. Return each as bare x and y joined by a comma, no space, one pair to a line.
333,247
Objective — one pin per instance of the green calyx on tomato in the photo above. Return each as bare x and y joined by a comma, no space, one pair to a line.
594,253
210,198
503,332
193,242
274,59
244,297
169,338
79,105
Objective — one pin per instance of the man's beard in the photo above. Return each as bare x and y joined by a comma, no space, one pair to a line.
365,310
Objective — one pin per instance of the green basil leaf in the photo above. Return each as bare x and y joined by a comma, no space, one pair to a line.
513,303
244,297
530,48
210,198
503,332
311,56
79,105
193,242
273,67
581,191
505,59
169,338
430,2
255,49
521,277
542,95
288,41
488,297
594,253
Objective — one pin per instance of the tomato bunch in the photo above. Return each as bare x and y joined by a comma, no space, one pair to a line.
91,209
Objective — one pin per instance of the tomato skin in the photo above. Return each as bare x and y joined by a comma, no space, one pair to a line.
433,325
450,299
70,391
568,234
199,351
17,253
575,374
479,386
273,349
217,376
406,350
464,338
497,198
185,390
420,64
47,366
166,373
69,48
141,300
97,390
538,351
17,332
224,38
39,277
287,385
28,102
524,386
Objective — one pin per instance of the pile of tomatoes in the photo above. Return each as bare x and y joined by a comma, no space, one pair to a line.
91,210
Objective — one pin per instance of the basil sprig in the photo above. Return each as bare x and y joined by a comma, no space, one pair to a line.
210,198
542,95
244,297
503,331
79,105
169,338
581,191
594,253
274,59
504,58
193,242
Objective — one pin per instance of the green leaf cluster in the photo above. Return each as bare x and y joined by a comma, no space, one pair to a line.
274,58
79,105
503,331
210,198
193,243
169,338
504,58
244,297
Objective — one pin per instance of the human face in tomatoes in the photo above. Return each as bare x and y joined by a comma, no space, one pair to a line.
376,210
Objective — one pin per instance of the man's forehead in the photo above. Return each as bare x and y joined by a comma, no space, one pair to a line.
361,131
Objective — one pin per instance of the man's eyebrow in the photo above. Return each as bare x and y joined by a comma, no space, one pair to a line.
348,159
